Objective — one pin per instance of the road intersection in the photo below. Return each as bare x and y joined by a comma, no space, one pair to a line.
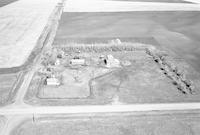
19,108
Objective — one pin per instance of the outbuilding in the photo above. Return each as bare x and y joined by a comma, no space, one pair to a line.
53,81
111,62
77,61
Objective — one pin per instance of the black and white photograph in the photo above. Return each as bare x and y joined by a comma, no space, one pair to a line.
99,67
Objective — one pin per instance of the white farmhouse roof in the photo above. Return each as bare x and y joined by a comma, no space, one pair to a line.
112,62
53,81
77,61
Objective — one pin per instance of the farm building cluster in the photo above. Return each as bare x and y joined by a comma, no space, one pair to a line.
54,62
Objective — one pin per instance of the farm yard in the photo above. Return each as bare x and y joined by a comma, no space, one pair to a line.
115,67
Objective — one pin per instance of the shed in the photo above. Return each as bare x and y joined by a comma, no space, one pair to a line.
77,61
53,81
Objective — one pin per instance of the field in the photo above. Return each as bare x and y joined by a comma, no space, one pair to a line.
107,69
143,82
6,2
2,121
112,124
175,30
167,1
9,83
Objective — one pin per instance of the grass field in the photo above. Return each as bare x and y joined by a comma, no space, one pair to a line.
2,122
177,31
112,124
6,2
167,1
9,84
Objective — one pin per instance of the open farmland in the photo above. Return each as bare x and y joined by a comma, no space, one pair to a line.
167,1
174,30
6,2
112,124
9,84
2,121
115,67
